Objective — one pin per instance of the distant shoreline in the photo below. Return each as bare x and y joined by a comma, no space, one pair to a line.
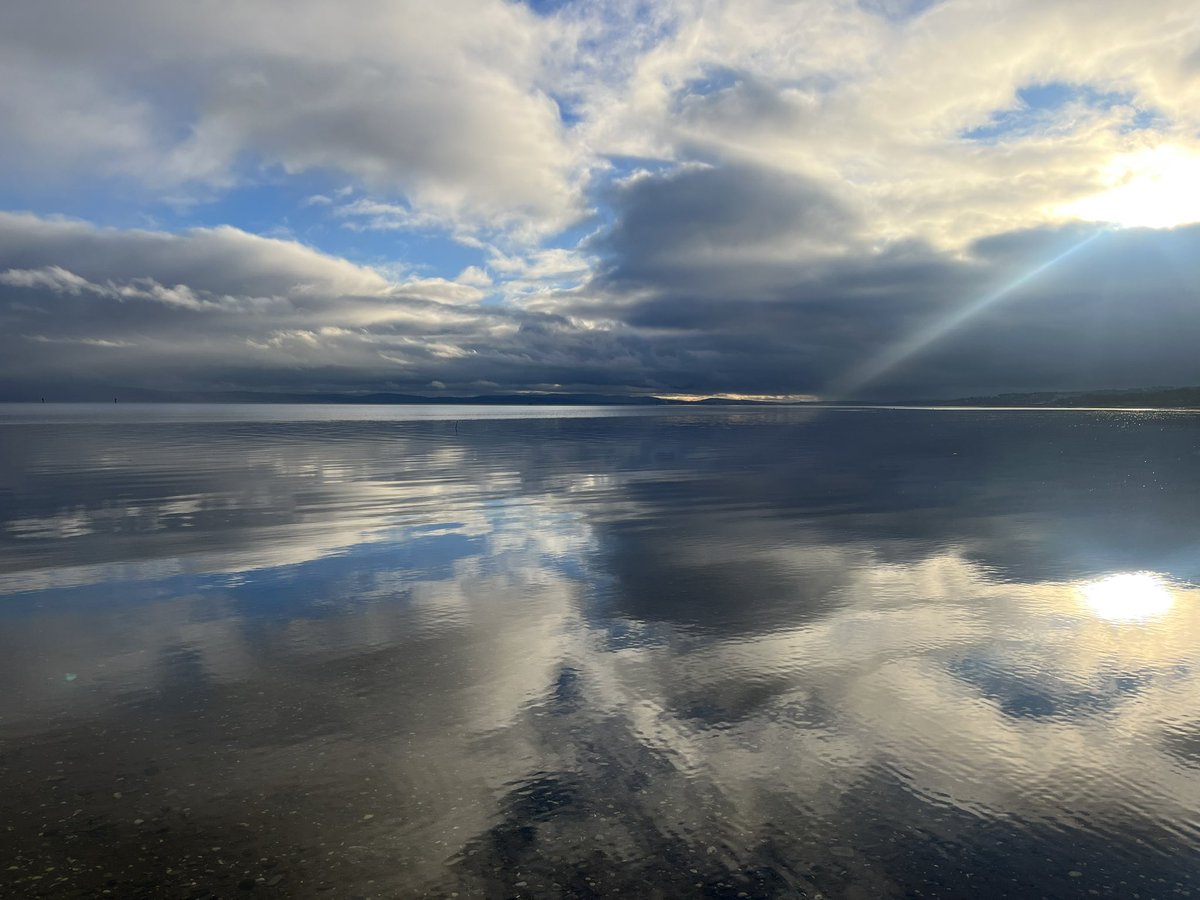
675,405
1186,399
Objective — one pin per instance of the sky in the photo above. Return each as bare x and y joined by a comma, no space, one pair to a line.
832,199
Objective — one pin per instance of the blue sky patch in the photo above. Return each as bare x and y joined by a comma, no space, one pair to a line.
1039,106
897,10
714,79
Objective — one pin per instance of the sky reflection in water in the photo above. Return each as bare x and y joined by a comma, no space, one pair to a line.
857,653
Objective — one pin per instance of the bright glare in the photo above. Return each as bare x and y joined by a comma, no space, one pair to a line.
1128,597
1156,188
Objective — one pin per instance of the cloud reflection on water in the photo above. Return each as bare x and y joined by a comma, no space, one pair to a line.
649,646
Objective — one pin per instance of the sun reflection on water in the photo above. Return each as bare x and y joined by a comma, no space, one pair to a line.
1128,597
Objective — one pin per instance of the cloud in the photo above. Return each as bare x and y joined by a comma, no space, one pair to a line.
704,218
440,103
755,198
87,342
700,259
487,115
881,102
53,278
220,307
703,310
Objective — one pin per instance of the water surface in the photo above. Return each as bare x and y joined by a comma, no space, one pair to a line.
362,651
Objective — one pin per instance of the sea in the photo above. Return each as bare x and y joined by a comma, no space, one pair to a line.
439,651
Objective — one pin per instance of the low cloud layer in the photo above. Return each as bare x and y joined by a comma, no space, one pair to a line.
849,200
220,309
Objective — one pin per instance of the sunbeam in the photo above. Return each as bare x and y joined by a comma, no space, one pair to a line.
871,370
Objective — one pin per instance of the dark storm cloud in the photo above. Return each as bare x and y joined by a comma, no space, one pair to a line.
710,280
700,217
721,260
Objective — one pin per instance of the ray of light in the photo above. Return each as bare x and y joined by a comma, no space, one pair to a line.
895,354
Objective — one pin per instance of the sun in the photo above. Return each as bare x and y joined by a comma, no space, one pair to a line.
1128,597
1153,188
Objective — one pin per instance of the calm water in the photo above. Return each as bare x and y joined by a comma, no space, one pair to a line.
413,652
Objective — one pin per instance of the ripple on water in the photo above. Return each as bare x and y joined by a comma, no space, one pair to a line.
589,653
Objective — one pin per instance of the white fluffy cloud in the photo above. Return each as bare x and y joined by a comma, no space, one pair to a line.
884,105
706,196
483,113
439,102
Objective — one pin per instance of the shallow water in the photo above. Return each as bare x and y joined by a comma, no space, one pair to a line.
330,651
